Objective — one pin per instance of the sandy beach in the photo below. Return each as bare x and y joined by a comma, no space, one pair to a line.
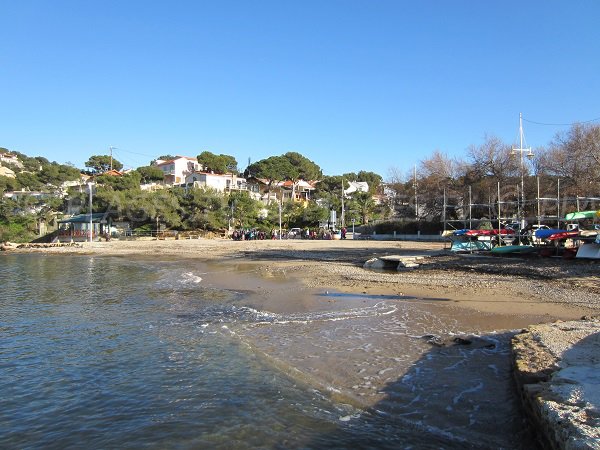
522,290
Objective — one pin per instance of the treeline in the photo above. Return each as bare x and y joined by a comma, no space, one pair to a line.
35,173
123,199
570,163
569,167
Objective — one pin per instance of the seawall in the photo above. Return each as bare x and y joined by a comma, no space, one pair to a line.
557,370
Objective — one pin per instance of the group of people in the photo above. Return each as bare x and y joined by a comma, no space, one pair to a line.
249,235
252,234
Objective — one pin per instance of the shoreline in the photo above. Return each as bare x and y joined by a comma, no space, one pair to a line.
546,288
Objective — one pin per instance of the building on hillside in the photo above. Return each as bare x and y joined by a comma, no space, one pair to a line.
151,187
17,195
175,171
356,186
219,182
299,191
10,159
83,180
259,190
6,172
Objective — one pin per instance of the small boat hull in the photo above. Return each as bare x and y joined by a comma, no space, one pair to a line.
589,250
514,249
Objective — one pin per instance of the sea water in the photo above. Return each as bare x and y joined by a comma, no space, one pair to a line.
106,352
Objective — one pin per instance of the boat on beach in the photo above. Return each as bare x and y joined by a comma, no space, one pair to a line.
580,238
470,240
514,249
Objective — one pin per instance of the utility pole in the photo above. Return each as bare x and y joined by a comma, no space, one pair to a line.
416,198
91,186
521,150
343,216
470,210
111,157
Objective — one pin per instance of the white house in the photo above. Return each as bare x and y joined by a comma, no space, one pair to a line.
176,170
219,182
357,186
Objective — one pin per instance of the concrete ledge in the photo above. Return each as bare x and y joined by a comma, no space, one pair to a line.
557,370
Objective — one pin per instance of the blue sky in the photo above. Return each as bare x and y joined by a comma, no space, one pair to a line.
352,85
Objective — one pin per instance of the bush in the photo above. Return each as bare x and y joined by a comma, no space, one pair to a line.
15,232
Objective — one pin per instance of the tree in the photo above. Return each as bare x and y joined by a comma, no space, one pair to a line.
244,210
493,159
7,184
363,203
202,208
56,174
574,156
304,169
29,181
152,207
330,185
217,163
167,157
102,163
313,214
272,169
150,173
128,182
438,175
307,170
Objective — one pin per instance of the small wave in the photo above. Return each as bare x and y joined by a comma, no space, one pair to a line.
189,277
476,388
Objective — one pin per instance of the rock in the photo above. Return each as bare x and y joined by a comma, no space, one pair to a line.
6,246
374,263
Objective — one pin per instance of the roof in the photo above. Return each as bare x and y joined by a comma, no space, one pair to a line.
85,218
360,186
113,173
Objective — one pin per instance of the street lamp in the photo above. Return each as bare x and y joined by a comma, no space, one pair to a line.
522,150
90,186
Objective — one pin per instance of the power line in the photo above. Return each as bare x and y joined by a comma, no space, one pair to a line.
562,124
135,153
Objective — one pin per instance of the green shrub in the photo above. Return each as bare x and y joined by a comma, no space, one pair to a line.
16,232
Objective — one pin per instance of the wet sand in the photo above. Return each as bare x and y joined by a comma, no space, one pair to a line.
519,291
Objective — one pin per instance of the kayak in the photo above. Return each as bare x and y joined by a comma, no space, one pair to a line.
563,235
546,233
508,249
